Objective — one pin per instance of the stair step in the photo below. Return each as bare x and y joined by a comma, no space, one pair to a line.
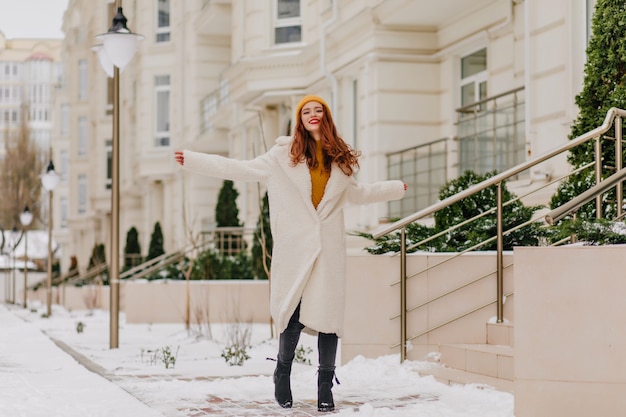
494,361
500,333
454,376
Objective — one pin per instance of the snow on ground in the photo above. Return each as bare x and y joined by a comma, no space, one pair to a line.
138,366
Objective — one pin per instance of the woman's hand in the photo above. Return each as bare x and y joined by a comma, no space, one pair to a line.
406,186
180,158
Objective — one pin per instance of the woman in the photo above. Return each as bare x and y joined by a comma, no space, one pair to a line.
309,179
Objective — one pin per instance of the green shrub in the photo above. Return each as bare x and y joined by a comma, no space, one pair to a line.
467,236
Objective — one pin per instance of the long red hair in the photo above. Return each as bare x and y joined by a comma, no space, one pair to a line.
335,149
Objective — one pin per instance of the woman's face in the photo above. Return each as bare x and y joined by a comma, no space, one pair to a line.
311,116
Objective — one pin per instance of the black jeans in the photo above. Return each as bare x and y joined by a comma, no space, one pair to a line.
326,343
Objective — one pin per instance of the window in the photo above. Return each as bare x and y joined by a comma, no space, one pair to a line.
65,119
82,194
82,136
64,208
162,116
288,22
58,74
82,79
65,162
474,77
163,21
109,166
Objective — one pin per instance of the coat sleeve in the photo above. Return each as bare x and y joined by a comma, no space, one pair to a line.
377,192
218,166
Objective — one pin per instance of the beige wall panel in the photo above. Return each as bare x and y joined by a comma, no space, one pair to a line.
570,301
547,13
256,28
580,399
403,108
394,137
547,98
473,22
549,50
501,53
409,77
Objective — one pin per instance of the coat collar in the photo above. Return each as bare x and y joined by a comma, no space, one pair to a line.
301,177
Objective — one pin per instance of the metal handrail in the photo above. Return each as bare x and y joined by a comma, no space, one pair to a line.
470,107
580,200
149,270
497,180
159,261
412,148
452,320
611,114
90,274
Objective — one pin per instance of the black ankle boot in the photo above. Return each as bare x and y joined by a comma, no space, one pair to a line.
324,394
282,384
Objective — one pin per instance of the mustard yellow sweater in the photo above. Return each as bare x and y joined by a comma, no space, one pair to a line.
319,177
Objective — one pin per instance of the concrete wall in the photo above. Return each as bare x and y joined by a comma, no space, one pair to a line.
372,303
569,331
218,301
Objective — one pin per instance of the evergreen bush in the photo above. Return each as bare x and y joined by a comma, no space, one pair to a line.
227,215
263,242
604,87
156,243
132,250
481,229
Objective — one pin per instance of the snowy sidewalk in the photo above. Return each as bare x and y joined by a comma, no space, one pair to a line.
45,368
38,379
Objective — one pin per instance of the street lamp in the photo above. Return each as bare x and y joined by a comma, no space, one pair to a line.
105,61
14,242
26,218
49,180
119,45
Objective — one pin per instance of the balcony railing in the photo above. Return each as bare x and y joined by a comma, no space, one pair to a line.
424,167
211,104
491,133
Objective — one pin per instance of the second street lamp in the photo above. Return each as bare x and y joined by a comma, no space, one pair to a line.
14,241
119,44
26,218
49,180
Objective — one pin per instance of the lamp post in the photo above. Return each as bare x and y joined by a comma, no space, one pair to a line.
26,218
119,45
14,241
49,180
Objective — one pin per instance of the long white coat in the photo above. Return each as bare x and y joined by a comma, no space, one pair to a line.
309,253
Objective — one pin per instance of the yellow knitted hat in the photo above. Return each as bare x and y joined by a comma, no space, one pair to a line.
307,99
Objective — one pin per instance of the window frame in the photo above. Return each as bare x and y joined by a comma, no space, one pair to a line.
162,34
280,23
83,84
477,79
83,136
162,137
82,194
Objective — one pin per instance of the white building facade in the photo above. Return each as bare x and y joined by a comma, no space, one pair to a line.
30,70
224,76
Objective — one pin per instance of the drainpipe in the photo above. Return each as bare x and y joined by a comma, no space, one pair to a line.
182,140
323,68
527,78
